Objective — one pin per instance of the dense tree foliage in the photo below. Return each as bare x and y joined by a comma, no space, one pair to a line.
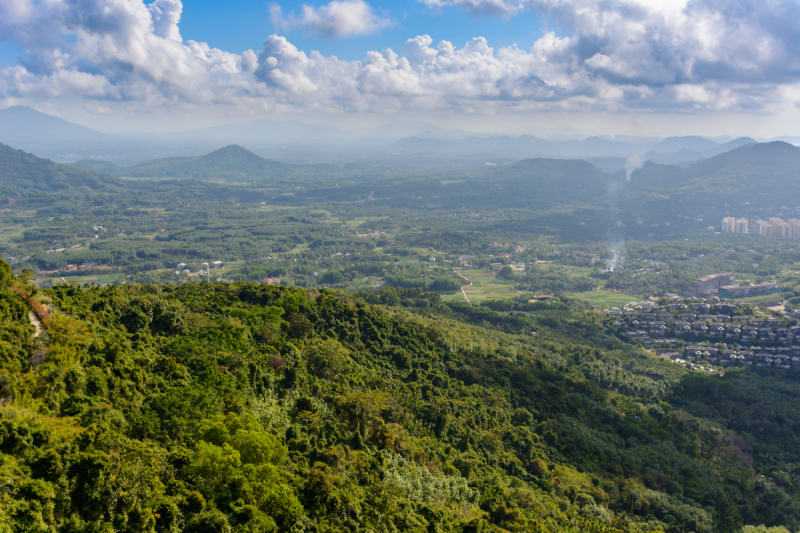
242,407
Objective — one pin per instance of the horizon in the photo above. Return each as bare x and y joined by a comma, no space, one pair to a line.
625,68
554,133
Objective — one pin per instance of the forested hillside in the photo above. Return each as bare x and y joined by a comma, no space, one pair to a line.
23,173
228,163
243,407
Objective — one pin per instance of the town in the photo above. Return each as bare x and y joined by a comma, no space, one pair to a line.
713,329
774,228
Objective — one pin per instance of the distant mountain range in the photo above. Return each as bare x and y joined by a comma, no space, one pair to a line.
749,171
396,143
751,168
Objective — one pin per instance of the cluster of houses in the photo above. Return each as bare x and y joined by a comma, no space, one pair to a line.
181,268
782,357
646,321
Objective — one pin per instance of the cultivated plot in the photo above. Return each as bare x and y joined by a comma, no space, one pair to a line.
604,298
481,285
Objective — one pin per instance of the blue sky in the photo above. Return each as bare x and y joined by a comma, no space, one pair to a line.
242,25
632,66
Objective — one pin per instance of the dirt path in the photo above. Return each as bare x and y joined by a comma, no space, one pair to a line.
38,354
464,287
36,323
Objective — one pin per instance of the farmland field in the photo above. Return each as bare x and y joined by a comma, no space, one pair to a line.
485,286
98,279
602,298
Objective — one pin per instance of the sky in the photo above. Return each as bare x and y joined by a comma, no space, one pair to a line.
646,67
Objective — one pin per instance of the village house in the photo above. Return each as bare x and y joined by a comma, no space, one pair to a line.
584,258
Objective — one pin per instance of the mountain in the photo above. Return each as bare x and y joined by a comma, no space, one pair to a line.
791,139
249,408
230,162
730,145
21,171
691,142
753,167
540,181
20,125
244,408
749,169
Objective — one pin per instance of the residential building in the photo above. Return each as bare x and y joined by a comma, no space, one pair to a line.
741,226
741,291
763,228
709,284
728,225
584,258
780,228
795,223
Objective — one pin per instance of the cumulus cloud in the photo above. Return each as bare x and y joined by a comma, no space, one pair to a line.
658,43
334,20
629,55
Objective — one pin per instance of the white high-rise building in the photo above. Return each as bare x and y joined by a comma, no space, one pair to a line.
763,228
742,226
795,223
780,228
728,225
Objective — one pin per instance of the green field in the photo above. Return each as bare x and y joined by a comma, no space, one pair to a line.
108,278
601,299
485,286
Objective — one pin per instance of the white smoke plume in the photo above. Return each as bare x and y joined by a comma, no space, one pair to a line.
633,164
617,255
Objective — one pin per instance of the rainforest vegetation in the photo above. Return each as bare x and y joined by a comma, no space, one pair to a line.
237,407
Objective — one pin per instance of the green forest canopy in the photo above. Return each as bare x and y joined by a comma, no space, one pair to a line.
243,407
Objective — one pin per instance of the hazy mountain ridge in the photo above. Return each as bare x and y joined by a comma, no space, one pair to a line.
748,168
230,162
301,142
23,124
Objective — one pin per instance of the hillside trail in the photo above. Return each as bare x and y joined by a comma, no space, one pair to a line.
464,287
39,352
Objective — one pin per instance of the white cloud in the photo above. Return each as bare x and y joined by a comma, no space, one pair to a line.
166,14
334,20
677,41
634,55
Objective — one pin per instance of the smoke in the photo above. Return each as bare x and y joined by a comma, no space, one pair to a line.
616,234
633,164
617,255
